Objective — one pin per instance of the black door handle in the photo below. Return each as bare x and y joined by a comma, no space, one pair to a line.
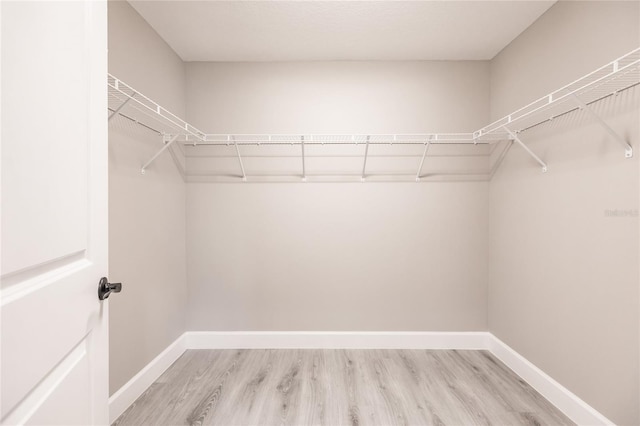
105,288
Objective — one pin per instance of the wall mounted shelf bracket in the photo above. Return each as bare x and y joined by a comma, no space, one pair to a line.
515,138
244,175
122,105
304,170
424,155
366,153
628,150
168,140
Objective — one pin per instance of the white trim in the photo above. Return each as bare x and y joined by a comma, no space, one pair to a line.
565,400
130,391
335,340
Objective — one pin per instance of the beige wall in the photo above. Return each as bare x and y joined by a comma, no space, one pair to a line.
570,40
369,256
146,213
564,278
337,257
340,97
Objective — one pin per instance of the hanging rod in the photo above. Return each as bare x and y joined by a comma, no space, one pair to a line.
350,139
138,122
433,176
569,111
282,143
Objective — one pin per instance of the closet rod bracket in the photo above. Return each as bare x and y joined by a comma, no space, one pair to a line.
168,141
628,150
516,139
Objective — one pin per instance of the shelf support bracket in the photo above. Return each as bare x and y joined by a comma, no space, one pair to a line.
244,175
304,170
366,153
167,144
526,148
628,150
122,105
424,155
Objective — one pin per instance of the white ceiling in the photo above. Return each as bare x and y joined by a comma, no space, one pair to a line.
338,30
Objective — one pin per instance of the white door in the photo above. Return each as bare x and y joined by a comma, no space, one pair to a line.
54,335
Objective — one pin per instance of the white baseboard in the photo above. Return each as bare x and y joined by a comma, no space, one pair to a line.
335,340
127,394
575,408
565,400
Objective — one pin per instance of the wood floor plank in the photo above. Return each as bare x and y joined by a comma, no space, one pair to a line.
341,406
526,400
246,402
340,387
211,405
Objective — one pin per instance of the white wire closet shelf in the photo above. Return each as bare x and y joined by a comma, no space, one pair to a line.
609,80
132,105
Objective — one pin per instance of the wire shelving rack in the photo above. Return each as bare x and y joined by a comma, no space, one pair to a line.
607,81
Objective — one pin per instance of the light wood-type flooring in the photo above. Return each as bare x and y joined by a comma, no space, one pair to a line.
340,387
